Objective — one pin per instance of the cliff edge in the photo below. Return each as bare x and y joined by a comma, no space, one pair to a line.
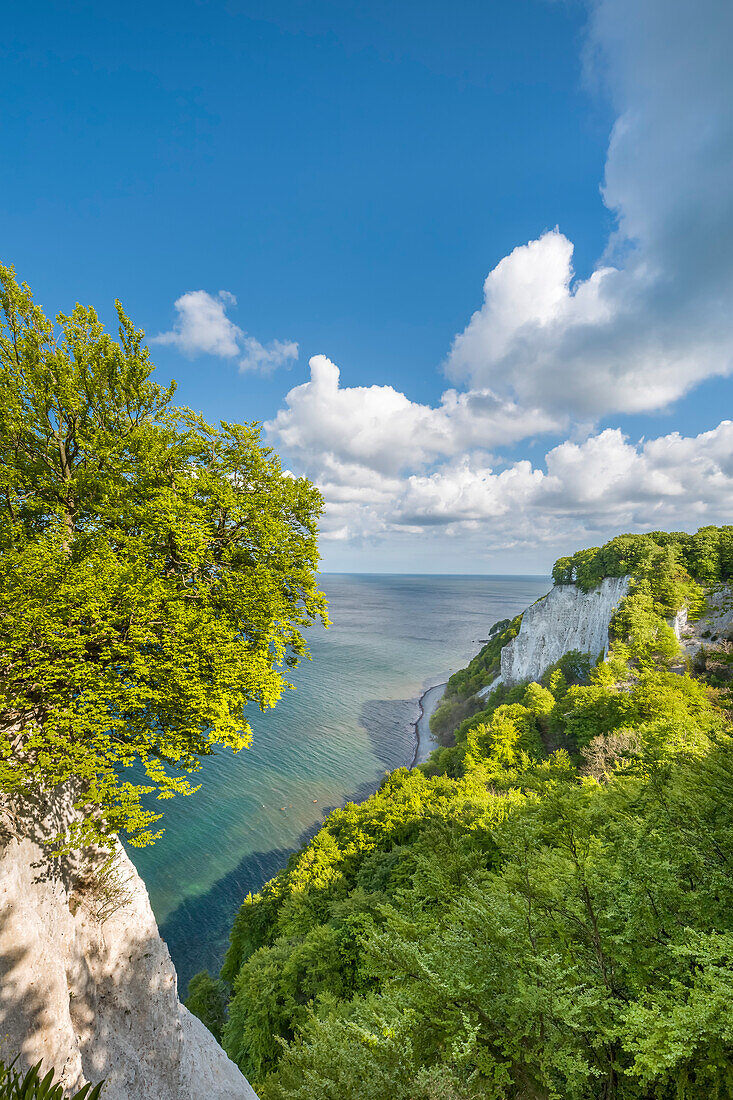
567,618
86,983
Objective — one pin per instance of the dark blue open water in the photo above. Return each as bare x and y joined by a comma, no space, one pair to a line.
330,741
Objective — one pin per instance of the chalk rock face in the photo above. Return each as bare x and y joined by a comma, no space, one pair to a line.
86,983
715,623
565,619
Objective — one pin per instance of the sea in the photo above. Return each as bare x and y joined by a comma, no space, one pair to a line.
350,719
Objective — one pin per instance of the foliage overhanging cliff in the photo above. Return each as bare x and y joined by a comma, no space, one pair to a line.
544,909
156,573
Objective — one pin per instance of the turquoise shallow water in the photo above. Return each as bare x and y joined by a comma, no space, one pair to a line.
330,741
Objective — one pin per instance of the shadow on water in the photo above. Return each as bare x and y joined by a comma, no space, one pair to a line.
390,724
197,931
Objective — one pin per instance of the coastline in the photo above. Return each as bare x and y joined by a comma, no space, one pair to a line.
424,743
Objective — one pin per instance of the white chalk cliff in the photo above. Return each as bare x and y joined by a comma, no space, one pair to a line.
715,623
86,983
565,619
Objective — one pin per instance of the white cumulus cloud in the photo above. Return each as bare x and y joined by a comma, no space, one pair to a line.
266,358
654,318
602,485
548,352
203,328
582,493
380,428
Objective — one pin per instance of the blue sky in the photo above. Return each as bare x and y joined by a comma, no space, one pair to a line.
348,174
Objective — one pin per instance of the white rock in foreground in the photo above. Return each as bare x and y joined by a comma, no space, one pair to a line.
95,998
565,619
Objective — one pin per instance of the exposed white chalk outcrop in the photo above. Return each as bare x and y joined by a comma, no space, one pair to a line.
86,983
715,623
565,619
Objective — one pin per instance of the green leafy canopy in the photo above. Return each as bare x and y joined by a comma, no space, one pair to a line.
544,909
156,573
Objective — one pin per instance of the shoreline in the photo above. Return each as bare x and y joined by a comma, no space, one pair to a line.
421,741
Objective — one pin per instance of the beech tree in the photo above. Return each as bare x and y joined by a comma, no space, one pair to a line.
156,573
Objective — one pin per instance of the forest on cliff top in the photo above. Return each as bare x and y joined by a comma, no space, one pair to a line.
545,908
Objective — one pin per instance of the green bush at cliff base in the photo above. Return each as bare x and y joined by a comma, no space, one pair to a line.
156,573
545,909
459,698
207,999
15,1085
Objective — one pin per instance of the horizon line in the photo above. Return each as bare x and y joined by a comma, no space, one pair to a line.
385,573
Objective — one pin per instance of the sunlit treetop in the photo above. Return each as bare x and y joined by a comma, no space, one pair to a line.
156,573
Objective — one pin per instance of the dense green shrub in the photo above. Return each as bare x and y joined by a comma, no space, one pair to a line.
450,713
207,999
